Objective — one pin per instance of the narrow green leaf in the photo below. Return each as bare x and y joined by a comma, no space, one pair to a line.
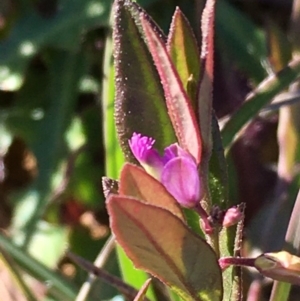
179,105
184,53
226,238
218,175
139,104
205,95
137,183
158,242
16,277
38,270
280,50
261,96
61,101
142,292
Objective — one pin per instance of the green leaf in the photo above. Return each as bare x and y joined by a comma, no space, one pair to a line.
65,290
184,53
139,103
261,96
137,183
15,276
280,50
158,242
218,174
205,96
142,292
61,101
179,105
226,238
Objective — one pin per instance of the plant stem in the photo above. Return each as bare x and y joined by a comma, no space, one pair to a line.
237,261
99,263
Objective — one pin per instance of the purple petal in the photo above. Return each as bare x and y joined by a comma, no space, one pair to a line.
141,146
149,158
180,177
173,151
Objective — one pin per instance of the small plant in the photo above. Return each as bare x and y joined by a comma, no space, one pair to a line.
176,162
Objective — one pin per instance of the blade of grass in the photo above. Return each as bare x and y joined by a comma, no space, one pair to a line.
17,277
38,270
66,68
99,263
262,95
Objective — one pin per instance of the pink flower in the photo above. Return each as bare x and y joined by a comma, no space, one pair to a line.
176,169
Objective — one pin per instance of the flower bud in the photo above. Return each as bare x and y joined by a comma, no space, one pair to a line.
232,216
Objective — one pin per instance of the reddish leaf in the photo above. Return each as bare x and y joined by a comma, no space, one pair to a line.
161,244
179,105
206,87
137,183
184,52
137,10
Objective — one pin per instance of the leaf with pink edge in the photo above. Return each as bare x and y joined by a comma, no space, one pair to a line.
136,182
139,101
161,244
205,93
184,53
178,103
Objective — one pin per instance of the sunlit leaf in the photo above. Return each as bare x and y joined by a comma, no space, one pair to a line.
63,288
218,174
139,104
179,105
205,93
184,53
158,242
137,183
261,96
142,292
